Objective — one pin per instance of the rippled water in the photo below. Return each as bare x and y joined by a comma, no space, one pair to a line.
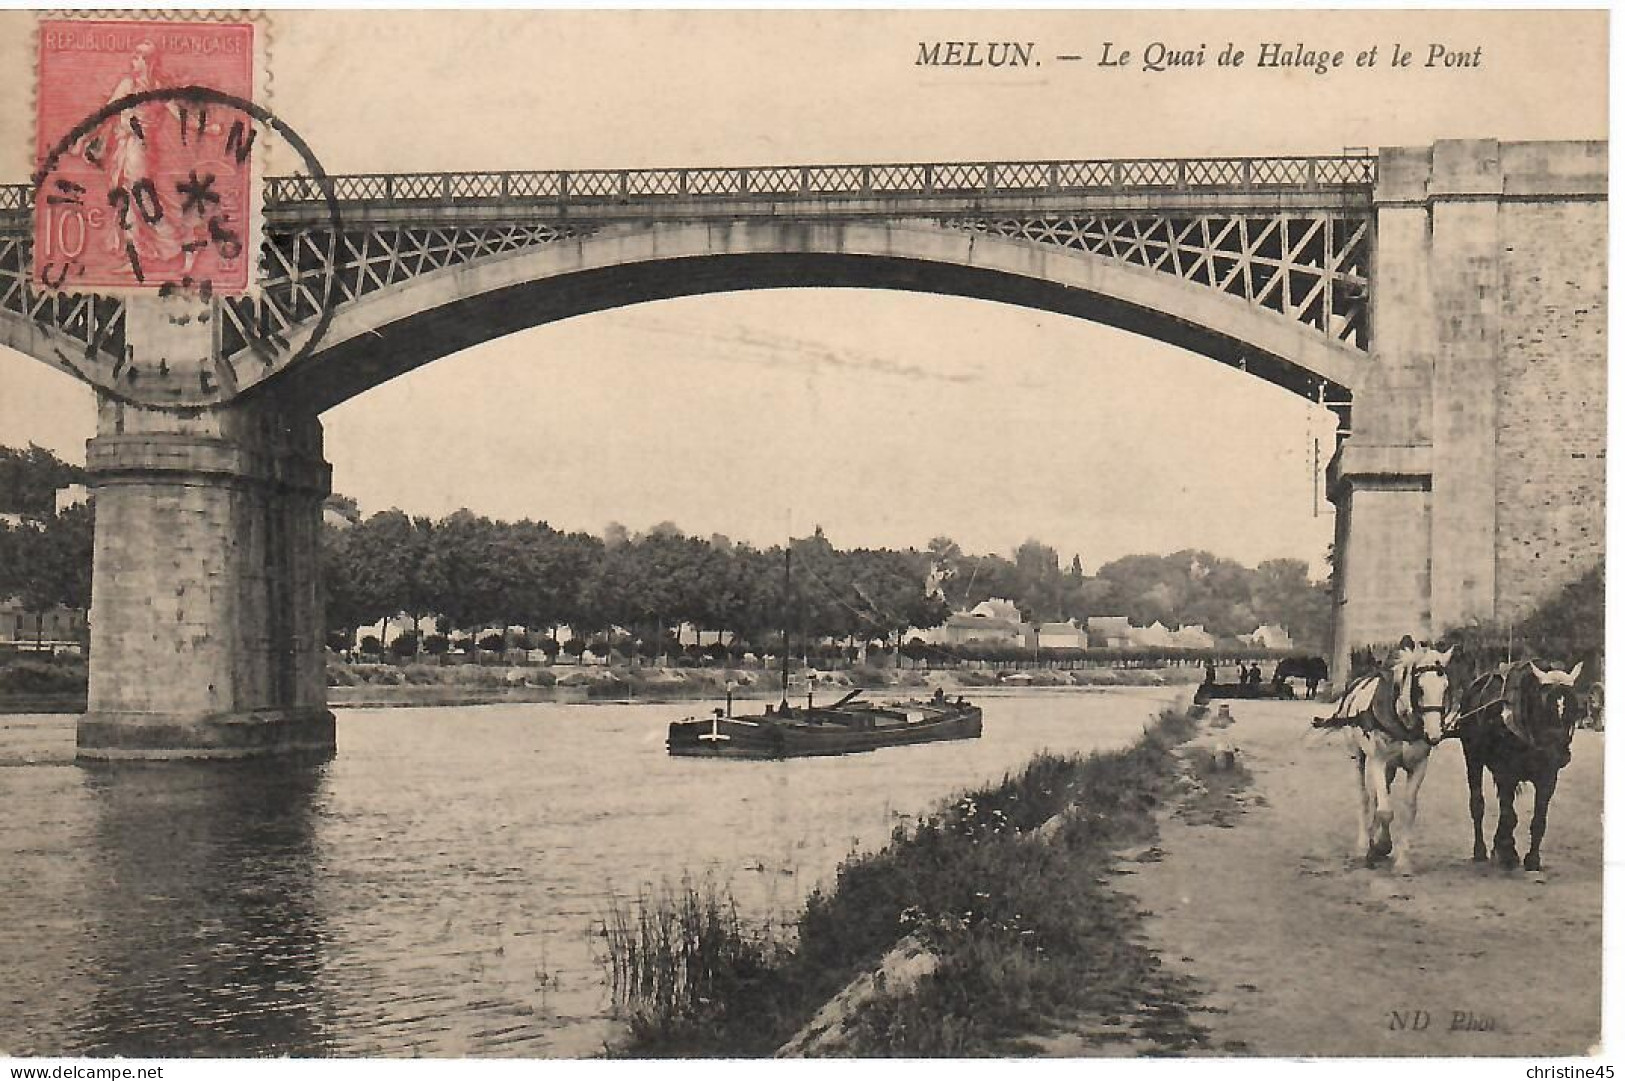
431,890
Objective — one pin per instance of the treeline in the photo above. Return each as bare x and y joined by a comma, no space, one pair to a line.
471,572
1190,586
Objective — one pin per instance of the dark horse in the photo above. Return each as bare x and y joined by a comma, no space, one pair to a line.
1312,670
1518,720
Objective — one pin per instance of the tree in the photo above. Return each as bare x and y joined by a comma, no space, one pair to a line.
472,566
1038,577
395,567
29,480
343,506
52,564
344,604
8,561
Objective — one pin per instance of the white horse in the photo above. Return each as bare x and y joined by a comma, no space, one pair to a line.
1394,718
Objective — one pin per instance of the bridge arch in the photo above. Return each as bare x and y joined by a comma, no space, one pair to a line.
405,325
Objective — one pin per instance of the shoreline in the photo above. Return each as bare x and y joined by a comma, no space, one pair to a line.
433,686
1005,888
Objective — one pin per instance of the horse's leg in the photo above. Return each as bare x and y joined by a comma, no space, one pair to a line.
1506,845
1362,844
1409,806
1544,787
1376,782
1385,830
1475,799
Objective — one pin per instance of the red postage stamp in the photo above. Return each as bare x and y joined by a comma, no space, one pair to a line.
146,178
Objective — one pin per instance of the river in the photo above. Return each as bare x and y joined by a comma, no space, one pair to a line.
432,890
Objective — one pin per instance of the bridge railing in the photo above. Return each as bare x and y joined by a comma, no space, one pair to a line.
772,181
961,178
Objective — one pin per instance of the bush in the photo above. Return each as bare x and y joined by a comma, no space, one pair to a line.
868,676
492,642
28,676
436,644
371,645
405,646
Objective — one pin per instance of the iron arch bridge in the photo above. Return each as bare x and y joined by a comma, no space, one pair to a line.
1262,263
1448,302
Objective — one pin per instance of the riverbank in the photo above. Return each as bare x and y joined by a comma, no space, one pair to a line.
986,920
388,686
60,687
1297,949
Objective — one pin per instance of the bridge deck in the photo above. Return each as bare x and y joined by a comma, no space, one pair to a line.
1164,184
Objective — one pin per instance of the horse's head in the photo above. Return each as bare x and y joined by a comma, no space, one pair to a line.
1422,677
1547,707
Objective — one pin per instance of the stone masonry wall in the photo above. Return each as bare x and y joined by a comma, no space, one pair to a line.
1552,399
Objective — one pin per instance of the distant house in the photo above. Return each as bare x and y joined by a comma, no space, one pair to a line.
998,608
690,635
1269,636
1112,632
341,511
387,630
962,628
1056,636
1155,636
57,626
1194,636
71,495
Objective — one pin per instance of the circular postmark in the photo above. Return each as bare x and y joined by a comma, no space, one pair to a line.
177,235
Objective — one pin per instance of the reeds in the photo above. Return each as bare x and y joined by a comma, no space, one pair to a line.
678,957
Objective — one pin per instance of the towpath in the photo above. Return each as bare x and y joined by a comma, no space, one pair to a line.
1295,949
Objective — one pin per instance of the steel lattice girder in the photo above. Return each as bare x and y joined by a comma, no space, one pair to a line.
1312,266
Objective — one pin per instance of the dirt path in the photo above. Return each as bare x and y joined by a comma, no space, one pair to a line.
1298,950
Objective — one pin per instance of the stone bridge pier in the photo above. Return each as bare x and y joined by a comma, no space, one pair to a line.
206,621
1472,484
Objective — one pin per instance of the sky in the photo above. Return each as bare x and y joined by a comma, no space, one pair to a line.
885,418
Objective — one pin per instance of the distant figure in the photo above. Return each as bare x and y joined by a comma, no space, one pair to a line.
1255,676
1241,674
1209,675
939,697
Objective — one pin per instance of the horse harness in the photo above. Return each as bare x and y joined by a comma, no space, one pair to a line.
1384,715
1508,717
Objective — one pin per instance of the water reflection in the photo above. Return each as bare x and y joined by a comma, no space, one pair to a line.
205,937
